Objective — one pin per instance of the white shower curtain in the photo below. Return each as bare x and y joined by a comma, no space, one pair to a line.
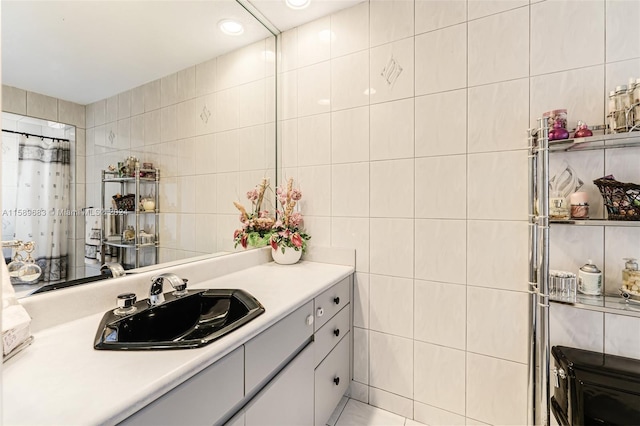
44,176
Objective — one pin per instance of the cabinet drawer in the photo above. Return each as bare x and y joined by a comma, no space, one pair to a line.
266,352
288,399
201,400
331,381
331,301
331,333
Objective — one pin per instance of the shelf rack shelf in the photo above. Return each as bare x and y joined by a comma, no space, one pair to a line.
610,141
126,183
597,222
540,148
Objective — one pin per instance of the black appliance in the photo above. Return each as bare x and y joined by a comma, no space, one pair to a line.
592,388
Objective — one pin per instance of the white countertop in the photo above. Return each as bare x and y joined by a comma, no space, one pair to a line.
60,379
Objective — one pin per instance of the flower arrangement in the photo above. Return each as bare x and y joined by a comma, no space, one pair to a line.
288,230
257,225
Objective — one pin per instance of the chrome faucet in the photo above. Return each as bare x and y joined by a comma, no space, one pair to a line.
156,297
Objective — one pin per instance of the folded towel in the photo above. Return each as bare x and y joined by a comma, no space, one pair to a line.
15,327
15,319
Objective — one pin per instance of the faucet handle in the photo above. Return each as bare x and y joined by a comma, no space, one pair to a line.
180,289
126,304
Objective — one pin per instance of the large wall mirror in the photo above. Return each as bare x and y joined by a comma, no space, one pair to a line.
91,87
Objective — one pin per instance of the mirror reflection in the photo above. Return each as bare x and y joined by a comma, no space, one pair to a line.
146,173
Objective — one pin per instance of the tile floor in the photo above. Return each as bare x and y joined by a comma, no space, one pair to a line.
350,412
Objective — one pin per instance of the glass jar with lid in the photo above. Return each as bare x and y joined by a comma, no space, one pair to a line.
636,103
622,103
631,277
611,116
590,279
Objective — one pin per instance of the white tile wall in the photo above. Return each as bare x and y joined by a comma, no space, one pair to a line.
390,20
349,81
391,363
392,188
577,328
480,8
315,131
441,127
436,320
350,30
449,45
314,42
350,135
487,331
622,30
496,390
392,130
499,47
435,14
392,71
553,51
391,402
497,115
439,380
391,305
314,90
434,416
426,177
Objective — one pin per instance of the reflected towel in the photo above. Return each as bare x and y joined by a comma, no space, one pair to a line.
15,319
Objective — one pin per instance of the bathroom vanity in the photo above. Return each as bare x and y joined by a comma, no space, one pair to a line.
290,365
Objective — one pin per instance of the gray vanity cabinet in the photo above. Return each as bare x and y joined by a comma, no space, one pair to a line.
309,388
288,399
207,396
293,373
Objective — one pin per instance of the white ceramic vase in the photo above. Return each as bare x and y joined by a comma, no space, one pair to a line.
289,257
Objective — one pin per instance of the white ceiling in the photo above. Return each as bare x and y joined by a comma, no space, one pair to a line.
83,51
285,18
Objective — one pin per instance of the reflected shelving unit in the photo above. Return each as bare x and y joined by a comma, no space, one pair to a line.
115,221
540,148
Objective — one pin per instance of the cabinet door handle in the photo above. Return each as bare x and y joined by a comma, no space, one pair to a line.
336,300
336,381
336,332
319,312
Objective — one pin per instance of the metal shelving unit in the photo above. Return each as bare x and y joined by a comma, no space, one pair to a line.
539,223
109,177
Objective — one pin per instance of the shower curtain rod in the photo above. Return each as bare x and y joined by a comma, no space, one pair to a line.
36,136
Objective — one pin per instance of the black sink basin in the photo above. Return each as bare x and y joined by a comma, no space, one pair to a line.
190,321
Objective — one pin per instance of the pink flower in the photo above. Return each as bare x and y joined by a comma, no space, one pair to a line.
295,219
296,239
236,233
243,241
282,199
278,224
252,195
274,243
296,194
285,233
263,214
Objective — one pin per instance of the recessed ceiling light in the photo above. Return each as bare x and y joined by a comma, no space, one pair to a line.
297,4
231,27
